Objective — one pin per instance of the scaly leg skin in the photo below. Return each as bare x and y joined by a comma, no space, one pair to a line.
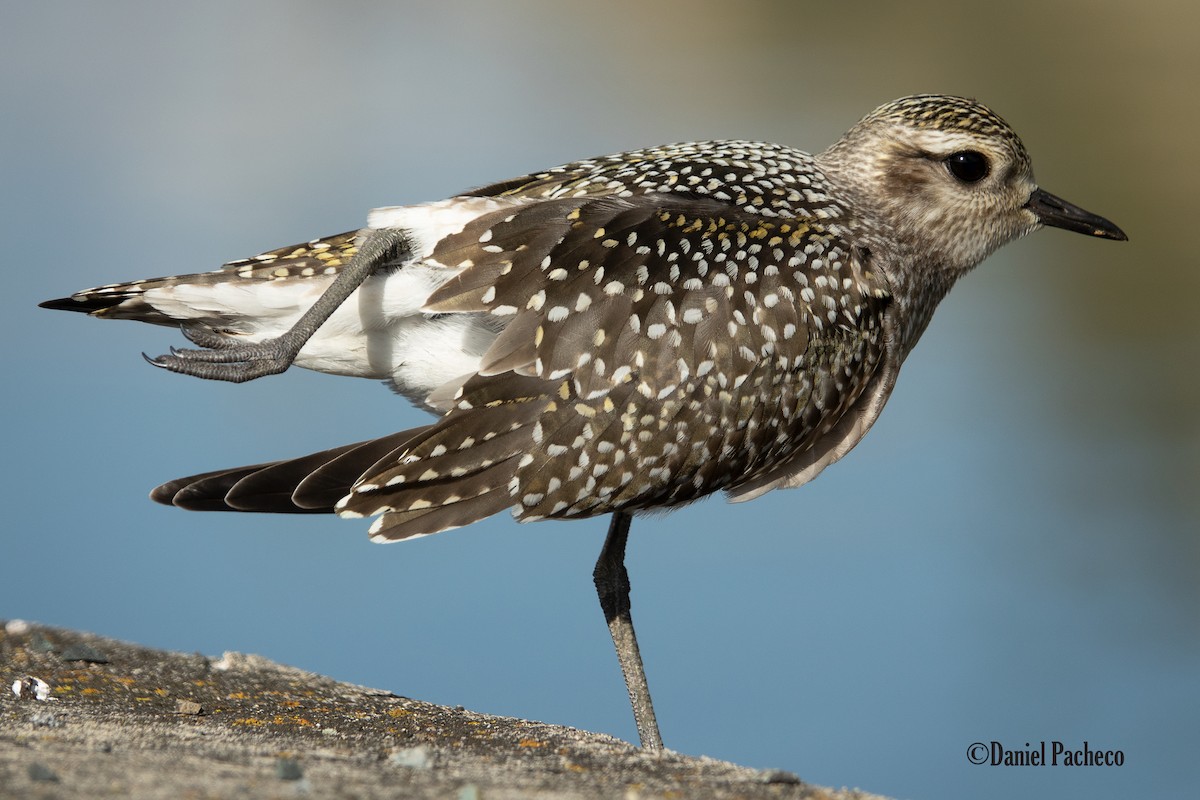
612,586
228,360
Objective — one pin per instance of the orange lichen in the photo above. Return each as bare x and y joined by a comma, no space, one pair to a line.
293,719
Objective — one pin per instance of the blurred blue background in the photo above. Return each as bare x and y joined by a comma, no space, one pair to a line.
1012,554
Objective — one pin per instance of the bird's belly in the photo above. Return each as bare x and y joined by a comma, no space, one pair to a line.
416,353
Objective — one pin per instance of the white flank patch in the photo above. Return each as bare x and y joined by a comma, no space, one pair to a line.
429,223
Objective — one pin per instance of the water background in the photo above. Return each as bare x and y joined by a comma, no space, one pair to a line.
1011,555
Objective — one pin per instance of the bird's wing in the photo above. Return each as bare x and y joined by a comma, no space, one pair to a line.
658,347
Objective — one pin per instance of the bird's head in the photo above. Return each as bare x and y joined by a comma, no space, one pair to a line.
949,176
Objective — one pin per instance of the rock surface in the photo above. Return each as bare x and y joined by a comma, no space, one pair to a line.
120,720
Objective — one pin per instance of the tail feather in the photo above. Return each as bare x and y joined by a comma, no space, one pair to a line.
331,481
179,492
118,302
395,526
420,481
316,259
427,492
459,458
272,487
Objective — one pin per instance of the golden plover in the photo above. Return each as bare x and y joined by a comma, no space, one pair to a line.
615,335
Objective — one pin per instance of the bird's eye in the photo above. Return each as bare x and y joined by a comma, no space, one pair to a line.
968,166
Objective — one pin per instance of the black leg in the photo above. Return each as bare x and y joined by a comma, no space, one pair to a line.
612,586
228,360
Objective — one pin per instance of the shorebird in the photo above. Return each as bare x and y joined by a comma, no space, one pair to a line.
615,335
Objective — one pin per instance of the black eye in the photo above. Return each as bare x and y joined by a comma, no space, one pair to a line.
968,166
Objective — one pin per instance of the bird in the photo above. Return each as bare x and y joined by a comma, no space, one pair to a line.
614,336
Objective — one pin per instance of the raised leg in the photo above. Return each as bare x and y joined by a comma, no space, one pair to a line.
612,586
228,360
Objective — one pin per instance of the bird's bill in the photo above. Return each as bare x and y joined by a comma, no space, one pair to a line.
1058,213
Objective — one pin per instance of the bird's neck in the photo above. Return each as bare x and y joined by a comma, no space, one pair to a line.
917,286
919,274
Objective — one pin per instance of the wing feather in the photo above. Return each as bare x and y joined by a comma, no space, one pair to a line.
671,345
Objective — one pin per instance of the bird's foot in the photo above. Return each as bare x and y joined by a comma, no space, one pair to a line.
225,358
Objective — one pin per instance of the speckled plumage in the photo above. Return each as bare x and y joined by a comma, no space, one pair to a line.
637,330
617,334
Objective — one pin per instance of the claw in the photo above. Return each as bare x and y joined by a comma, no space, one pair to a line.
206,336
236,362
192,363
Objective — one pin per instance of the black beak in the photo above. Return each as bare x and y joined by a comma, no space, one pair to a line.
1058,213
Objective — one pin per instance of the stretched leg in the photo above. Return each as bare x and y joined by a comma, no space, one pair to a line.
227,360
612,585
